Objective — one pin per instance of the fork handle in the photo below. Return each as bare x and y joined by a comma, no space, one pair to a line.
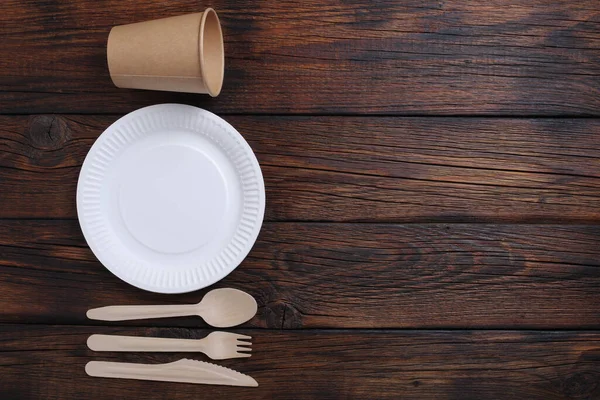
136,343
125,313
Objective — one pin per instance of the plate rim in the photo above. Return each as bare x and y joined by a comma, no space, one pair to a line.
232,265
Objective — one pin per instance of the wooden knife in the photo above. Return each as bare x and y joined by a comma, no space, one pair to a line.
184,370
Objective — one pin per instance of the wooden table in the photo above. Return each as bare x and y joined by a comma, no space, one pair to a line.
432,169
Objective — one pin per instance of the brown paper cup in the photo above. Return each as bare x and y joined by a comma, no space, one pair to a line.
178,54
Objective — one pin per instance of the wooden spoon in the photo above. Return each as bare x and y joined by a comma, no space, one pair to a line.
221,308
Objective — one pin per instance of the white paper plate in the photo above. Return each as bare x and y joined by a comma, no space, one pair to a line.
170,198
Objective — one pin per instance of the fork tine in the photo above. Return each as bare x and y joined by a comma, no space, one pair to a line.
242,348
242,355
243,343
238,336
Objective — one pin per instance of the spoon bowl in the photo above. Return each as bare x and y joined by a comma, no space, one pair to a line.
223,308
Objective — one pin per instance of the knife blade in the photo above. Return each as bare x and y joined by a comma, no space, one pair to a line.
184,370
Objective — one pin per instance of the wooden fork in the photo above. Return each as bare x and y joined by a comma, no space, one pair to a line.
217,345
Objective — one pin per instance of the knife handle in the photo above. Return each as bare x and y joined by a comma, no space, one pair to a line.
136,343
125,313
108,369
147,372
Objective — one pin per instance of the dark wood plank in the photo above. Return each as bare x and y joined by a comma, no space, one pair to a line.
338,276
48,362
423,57
351,169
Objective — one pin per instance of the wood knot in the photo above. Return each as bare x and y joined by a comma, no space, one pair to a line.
48,132
292,318
580,385
280,315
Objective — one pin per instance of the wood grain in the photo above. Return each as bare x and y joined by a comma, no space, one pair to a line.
48,362
410,57
399,245
337,276
351,169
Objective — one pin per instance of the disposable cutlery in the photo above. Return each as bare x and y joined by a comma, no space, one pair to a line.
185,370
221,308
217,345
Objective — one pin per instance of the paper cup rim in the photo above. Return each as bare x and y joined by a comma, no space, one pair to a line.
212,86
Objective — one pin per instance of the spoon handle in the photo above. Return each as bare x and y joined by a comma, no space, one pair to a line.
124,313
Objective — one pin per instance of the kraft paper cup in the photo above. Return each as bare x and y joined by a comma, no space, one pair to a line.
178,54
